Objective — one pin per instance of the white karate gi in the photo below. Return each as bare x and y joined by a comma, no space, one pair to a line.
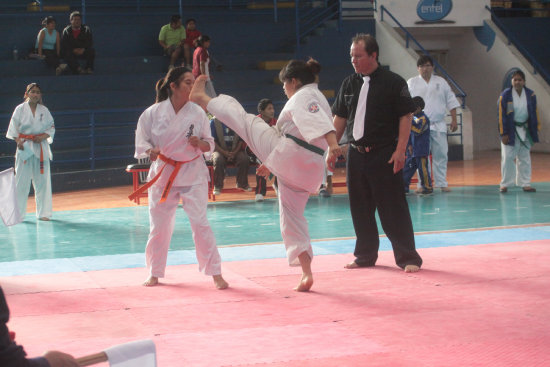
299,171
515,163
27,161
439,98
160,127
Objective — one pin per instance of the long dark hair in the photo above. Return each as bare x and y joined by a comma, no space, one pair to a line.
305,72
163,85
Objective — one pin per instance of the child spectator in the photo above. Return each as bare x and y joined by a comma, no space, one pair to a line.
191,41
418,150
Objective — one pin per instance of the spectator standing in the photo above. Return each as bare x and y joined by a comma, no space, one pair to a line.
32,128
191,40
418,150
518,125
77,43
201,63
266,111
439,98
229,149
48,45
172,39
13,355
377,108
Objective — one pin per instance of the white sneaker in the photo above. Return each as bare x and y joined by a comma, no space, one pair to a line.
216,191
259,197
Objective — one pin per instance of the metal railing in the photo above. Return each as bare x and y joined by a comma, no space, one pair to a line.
138,5
537,67
92,135
408,38
309,18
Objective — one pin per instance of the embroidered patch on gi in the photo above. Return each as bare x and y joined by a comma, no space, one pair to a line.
313,107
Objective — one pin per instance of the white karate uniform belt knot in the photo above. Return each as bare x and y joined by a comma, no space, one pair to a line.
359,121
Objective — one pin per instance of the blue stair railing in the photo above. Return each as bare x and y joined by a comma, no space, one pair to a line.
309,18
537,67
437,67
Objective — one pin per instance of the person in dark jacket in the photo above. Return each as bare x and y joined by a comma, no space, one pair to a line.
518,125
77,43
14,355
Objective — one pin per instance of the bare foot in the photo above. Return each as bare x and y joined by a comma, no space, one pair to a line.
352,265
44,219
220,282
305,283
411,268
151,281
198,94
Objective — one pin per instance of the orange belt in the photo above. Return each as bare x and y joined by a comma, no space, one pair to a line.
176,164
31,137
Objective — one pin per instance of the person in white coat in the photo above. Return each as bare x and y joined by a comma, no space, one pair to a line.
292,150
32,128
439,99
174,133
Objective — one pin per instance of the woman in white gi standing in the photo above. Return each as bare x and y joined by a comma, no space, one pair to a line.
174,133
292,149
32,128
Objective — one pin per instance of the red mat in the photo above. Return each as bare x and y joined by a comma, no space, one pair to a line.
486,305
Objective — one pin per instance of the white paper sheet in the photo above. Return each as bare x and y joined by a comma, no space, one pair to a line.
141,353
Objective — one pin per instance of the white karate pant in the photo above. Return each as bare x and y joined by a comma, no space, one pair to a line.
515,165
29,170
439,148
262,139
162,218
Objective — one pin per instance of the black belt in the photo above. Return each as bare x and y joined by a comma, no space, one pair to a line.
369,148
306,145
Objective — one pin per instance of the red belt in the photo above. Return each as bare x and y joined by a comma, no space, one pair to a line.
31,137
176,164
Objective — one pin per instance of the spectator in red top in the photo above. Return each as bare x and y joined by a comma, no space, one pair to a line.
191,41
77,43
201,62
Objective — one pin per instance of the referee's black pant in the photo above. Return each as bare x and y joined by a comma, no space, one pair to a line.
372,186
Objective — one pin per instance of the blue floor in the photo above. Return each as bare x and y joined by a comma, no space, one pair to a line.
98,239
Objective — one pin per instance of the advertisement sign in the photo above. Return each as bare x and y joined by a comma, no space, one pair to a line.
436,13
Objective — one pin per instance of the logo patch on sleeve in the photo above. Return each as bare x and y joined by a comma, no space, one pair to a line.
313,107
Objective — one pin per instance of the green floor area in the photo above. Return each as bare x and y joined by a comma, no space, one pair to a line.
125,230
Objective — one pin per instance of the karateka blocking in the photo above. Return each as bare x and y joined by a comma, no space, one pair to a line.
174,133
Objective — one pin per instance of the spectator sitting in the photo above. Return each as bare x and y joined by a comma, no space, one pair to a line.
77,43
229,149
191,41
267,113
418,150
172,39
48,45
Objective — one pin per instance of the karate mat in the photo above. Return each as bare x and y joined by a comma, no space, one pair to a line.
481,299
474,305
